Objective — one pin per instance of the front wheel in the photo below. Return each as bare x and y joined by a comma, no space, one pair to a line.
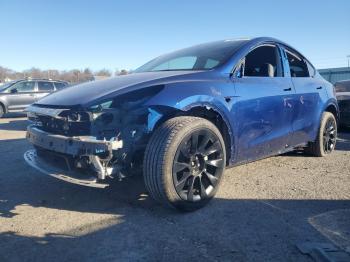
184,162
326,137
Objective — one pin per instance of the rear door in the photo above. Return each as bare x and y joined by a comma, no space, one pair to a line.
262,112
308,100
20,95
44,88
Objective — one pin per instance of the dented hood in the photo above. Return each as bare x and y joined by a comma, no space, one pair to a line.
83,94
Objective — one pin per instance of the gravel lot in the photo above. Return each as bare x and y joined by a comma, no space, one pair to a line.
261,212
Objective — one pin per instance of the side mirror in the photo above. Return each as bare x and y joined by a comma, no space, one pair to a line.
14,90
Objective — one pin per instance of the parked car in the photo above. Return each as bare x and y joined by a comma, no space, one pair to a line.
185,116
342,89
17,95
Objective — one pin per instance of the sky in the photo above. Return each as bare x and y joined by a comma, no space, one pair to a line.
100,34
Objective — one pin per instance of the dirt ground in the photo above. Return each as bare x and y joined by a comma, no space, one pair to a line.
262,211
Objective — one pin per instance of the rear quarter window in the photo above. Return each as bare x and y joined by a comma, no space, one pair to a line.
312,70
297,65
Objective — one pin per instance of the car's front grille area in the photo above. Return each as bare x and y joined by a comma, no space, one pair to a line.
62,126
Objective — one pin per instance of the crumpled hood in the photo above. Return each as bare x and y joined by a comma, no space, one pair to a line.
82,94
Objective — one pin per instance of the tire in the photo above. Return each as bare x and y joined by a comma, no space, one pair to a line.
172,157
2,110
326,137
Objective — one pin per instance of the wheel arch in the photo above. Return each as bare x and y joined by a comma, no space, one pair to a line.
3,105
333,108
208,112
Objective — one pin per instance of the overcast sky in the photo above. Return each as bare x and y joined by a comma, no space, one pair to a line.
126,34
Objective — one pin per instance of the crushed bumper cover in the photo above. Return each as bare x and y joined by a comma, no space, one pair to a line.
74,146
44,167
70,145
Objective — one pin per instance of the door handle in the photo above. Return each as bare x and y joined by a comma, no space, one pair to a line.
320,87
287,89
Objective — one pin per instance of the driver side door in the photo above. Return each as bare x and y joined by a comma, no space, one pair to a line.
262,110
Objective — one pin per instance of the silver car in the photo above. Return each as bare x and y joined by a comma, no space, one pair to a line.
15,96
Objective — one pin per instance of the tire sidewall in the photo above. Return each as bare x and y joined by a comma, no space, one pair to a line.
169,187
325,117
2,110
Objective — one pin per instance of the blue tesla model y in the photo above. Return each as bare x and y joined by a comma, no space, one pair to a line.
183,117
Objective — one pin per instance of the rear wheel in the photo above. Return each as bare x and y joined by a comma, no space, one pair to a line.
326,138
184,162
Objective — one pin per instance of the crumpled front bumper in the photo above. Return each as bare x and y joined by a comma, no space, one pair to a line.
46,168
82,145
59,145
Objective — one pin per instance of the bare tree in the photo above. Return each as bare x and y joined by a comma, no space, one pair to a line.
73,76
103,72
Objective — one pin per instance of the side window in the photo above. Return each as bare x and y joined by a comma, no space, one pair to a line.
297,65
263,61
24,86
186,62
60,85
45,86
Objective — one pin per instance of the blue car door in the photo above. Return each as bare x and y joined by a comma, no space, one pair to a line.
308,99
262,110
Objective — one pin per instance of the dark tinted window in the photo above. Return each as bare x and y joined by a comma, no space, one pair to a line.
263,62
200,57
24,86
60,85
45,86
297,65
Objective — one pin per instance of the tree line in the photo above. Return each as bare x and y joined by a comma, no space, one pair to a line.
72,76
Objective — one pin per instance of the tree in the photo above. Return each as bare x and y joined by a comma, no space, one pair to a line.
72,76
103,72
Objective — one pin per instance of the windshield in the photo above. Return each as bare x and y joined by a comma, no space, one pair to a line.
200,57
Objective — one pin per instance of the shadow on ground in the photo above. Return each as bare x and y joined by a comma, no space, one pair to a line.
141,230
14,115
14,125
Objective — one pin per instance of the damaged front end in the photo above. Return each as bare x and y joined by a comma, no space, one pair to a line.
89,146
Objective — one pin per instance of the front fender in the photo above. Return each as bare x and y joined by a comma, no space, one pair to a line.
158,110
157,113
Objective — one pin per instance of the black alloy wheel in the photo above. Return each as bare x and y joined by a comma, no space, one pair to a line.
198,165
329,136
